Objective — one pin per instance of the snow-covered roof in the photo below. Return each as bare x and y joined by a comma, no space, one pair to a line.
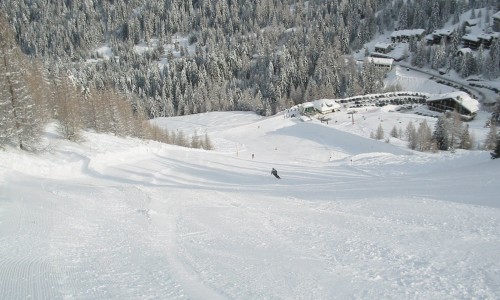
489,36
465,50
442,32
381,61
472,22
471,37
307,104
382,45
325,104
407,32
496,15
460,97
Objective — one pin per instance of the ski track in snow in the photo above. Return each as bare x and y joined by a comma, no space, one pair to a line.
146,221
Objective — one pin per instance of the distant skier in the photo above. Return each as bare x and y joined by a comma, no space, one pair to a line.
275,173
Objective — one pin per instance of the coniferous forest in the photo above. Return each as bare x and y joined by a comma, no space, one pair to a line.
263,55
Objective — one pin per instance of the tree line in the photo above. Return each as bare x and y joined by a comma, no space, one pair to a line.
32,94
262,55
449,133
244,55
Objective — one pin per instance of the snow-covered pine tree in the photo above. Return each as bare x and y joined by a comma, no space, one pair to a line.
496,153
491,138
466,140
495,115
380,132
435,20
441,133
394,132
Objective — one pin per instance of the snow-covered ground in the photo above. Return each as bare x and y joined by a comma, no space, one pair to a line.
351,218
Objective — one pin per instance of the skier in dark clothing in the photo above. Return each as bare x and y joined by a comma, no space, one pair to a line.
275,173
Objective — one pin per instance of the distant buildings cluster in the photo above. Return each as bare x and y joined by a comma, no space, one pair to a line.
470,41
458,101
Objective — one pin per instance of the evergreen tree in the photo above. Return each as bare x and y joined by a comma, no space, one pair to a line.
496,153
380,132
467,65
403,18
419,59
394,132
466,140
491,138
495,115
441,133
435,21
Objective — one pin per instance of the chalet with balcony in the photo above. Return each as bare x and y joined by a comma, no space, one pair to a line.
458,101
439,35
488,38
471,41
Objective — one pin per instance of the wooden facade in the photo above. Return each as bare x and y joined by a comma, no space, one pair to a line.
457,101
471,41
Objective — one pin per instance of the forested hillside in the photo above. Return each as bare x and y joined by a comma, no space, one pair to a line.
262,55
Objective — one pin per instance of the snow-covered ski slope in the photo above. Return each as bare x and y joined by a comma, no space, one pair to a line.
351,218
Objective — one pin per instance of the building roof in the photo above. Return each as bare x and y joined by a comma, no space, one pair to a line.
471,37
460,97
465,50
497,15
442,32
381,60
472,22
325,104
489,36
407,32
382,45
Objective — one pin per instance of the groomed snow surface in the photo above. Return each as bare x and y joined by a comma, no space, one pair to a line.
351,218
